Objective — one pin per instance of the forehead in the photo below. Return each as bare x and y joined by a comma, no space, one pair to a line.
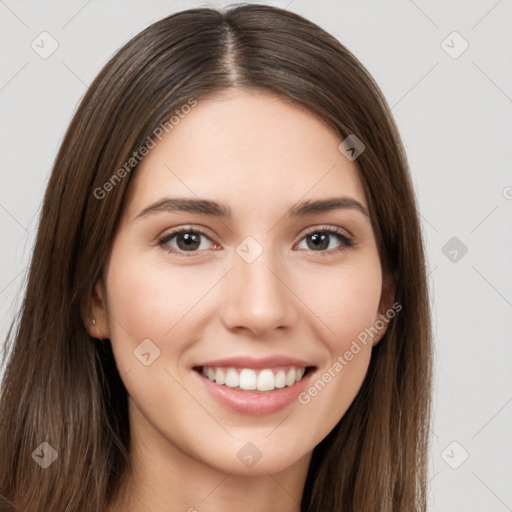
247,149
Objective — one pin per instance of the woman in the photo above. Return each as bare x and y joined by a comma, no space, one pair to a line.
227,303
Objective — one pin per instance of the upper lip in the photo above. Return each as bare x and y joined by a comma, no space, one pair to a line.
256,363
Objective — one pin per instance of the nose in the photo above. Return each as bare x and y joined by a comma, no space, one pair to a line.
258,297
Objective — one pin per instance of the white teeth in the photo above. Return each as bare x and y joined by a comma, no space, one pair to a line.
280,381
232,378
265,380
249,379
219,376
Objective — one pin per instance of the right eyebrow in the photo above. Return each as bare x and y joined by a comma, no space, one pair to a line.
182,204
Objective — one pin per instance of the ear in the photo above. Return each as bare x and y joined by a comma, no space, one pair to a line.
94,312
386,306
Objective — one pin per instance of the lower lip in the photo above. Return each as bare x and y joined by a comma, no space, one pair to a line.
255,404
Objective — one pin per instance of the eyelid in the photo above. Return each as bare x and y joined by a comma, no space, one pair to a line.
335,229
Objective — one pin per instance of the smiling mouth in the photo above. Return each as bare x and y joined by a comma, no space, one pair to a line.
256,380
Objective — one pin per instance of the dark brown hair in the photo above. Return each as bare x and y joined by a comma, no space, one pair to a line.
62,387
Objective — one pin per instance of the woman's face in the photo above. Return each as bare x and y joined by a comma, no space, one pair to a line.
255,297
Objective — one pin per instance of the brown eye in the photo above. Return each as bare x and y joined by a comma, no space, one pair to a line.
320,240
186,240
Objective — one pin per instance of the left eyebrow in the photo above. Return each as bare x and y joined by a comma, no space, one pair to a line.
209,207
325,205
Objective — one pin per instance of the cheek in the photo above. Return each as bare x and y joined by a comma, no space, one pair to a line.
348,305
146,288
144,299
150,298
345,300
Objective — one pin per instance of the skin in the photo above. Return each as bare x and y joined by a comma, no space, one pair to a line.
259,155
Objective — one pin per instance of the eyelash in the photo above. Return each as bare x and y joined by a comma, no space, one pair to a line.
346,241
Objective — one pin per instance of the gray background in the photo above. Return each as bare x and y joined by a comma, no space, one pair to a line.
455,117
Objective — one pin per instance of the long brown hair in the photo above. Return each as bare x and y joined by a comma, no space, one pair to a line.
62,387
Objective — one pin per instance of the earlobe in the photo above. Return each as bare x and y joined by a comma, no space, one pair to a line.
387,296
385,306
94,313
380,324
